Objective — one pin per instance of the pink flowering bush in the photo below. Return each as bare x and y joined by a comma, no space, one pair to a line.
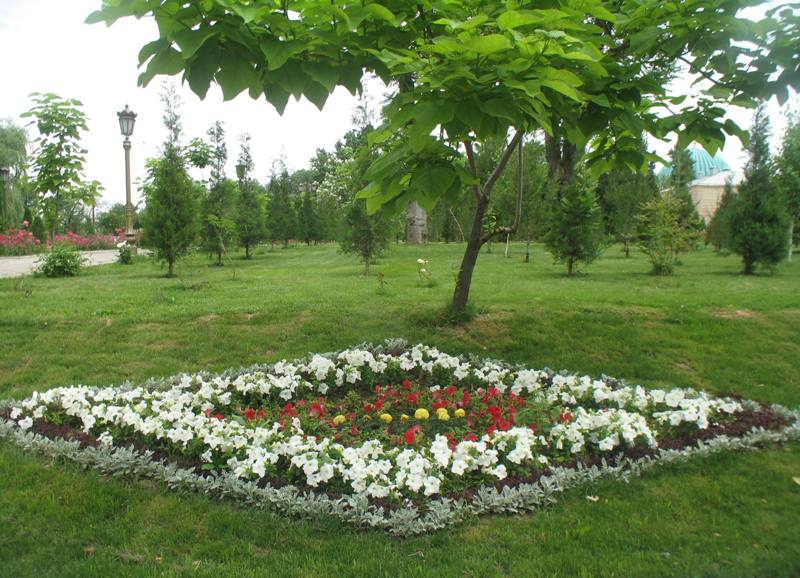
89,242
18,242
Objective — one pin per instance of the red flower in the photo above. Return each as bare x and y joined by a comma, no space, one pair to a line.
471,437
533,427
412,398
249,414
317,410
451,389
411,434
369,408
289,410
379,404
494,411
261,414
377,388
565,417
440,403
491,429
354,430
406,384
465,399
218,416
503,424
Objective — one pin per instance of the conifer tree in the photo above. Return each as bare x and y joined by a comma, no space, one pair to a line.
576,232
365,235
718,233
788,163
250,209
760,223
281,213
307,220
170,219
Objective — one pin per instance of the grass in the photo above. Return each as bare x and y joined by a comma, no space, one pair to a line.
733,515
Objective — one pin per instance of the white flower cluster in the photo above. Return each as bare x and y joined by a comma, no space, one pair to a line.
182,415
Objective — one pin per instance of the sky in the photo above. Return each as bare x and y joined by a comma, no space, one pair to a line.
99,66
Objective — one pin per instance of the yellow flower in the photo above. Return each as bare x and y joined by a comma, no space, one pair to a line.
367,418
386,418
442,414
460,412
404,417
339,420
421,414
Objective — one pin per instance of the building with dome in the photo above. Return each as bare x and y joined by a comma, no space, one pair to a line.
710,176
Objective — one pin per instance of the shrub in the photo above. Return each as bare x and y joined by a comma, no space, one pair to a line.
62,261
664,235
124,254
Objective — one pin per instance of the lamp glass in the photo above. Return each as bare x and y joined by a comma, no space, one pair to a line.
127,118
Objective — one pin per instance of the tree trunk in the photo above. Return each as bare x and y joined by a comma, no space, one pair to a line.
791,241
247,251
464,280
170,267
505,253
416,225
528,250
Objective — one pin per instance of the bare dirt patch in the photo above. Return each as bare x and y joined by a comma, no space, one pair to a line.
735,314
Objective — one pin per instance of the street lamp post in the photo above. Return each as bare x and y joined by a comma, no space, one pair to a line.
127,118
5,175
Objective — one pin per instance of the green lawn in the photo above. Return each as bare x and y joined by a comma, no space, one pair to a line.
732,515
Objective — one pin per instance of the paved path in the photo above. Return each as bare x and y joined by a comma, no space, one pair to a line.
27,264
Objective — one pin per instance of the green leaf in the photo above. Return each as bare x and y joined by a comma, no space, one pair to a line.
379,12
190,41
512,19
235,75
168,62
202,67
152,48
316,93
279,51
489,44
433,180
562,88
277,96
323,73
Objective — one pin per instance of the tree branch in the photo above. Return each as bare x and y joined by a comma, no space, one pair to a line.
518,209
476,188
501,164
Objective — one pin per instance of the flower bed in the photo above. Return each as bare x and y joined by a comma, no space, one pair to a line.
18,242
406,439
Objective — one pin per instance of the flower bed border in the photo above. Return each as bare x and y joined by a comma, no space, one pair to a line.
439,512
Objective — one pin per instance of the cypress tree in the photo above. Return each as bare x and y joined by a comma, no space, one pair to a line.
760,223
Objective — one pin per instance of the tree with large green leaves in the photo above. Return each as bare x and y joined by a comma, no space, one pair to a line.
58,157
589,72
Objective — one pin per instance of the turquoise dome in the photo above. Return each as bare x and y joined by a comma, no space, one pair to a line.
704,164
